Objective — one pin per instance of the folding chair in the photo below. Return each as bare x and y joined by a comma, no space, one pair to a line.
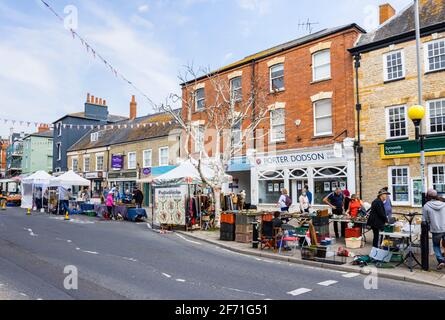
267,235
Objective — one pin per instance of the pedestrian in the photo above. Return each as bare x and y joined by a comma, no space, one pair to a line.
434,214
336,200
128,197
308,193
377,217
284,202
110,204
354,206
347,195
138,197
388,206
304,202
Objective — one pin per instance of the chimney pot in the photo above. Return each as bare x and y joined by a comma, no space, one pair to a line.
92,99
133,108
88,98
386,12
105,103
96,101
100,101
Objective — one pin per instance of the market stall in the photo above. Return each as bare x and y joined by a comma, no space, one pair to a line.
10,192
33,190
181,198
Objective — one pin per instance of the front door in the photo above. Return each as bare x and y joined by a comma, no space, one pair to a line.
296,190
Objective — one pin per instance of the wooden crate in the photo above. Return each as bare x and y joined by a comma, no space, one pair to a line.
244,228
243,237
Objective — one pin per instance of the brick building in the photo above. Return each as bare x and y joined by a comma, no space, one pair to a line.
309,130
387,87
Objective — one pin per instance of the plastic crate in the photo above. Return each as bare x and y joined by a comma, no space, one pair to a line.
308,253
353,243
353,232
228,218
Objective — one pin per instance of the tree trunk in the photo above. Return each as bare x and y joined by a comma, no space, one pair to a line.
217,198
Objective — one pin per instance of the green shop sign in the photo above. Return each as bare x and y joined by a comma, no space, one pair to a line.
411,148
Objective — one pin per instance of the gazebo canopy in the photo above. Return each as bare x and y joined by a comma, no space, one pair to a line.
39,177
69,178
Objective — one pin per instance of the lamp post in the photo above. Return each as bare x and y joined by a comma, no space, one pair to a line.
416,114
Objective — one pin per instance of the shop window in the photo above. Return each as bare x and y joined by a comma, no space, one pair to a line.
393,66
277,124
321,62
435,55
396,122
277,77
324,186
436,116
438,179
269,191
399,185
323,117
416,193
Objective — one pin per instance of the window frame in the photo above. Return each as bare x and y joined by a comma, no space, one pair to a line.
428,116
94,136
408,184
201,99
387,123
59,129
315,119
84,163
103,162
272,79
161,164
59,151
272,125
427,58
385,68
430,173
314,66
144,158
72,163
239,97
132,153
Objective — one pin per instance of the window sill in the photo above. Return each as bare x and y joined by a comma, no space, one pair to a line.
321,80
393,80
277,91
278,142
434,71
323,136
434,135
396,139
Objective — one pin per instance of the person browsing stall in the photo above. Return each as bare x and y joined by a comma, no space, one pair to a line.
284,202
138,197
308,193
377,217
434,214
354,206
304,202
336,201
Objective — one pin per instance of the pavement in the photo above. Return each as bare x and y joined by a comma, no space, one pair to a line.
124,260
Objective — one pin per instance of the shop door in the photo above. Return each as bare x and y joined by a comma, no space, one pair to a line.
296,189
147,195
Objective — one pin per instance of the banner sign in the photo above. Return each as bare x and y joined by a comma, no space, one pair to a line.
411,148
299,158
117,162
170,205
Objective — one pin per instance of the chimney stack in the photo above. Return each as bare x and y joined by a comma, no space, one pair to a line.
386,12
133,110
42,128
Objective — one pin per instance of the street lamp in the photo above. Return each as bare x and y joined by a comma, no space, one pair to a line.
416,113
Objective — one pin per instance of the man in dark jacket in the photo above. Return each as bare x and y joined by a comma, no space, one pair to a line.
377,217
138,197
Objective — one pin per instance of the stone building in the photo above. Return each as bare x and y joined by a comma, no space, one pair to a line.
387,87
309,130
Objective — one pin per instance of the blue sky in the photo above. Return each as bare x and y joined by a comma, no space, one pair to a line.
45,74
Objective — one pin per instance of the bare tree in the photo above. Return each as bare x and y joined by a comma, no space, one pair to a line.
227,127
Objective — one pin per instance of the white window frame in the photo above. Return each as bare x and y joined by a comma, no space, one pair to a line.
59,150
430,173
428,114
103,161
72,164
314,66
385,68
59,129
412,192
144,158
326,133
239,89
426,57
388,129
84,164
161,164
272,125
390,186
129,164
197,100
94,136
271,79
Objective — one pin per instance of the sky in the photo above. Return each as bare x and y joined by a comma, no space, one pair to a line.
45,73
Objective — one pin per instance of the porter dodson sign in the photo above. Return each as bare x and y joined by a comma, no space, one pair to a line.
296,158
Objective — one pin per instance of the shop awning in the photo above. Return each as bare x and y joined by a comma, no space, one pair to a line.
239,164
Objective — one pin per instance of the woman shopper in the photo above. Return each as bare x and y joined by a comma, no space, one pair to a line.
354,206
304,202
110,204
377,217
285,201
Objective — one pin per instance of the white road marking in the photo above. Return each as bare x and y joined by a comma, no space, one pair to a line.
130,259
69,241
327,283
31,233
39,299
166,275
182,237
90,252
149,226
351,275
298,292
23,294
244,291
180,280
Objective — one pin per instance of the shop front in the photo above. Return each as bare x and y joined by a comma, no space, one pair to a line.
321,169
239,169
98,182
125,180
146,179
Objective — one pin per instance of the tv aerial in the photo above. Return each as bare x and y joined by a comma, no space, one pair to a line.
307,25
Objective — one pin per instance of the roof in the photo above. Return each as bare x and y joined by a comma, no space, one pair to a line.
402,26
283,47
44,134
81,115
123,135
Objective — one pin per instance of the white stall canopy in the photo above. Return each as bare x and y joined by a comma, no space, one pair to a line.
68,179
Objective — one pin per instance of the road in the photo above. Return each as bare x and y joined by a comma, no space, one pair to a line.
123,260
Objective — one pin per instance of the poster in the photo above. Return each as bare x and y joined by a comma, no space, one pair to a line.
327,186
281,186
334,185
342,185
276,187
170,205
270,187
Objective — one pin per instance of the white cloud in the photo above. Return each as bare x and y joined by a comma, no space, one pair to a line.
261,7
142,22
144,8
